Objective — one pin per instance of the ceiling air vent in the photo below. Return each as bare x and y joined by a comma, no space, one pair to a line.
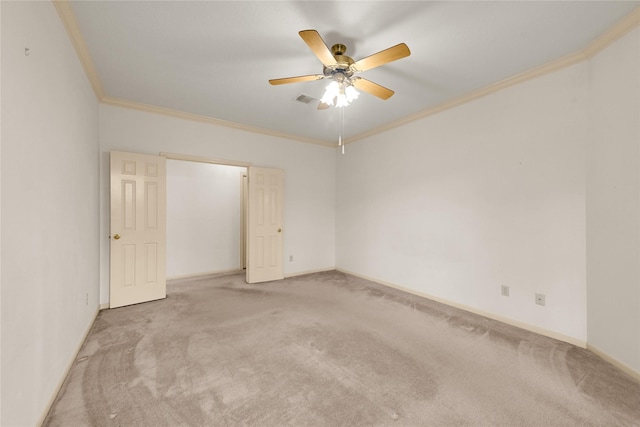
305,99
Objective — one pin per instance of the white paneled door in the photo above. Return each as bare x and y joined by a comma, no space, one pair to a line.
138,222
266,199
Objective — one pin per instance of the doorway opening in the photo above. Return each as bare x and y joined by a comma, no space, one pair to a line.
206,218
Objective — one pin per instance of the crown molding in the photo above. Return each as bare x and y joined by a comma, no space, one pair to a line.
68,18
118,102
622,27
476,94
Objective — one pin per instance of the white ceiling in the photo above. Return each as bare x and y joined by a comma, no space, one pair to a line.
214,58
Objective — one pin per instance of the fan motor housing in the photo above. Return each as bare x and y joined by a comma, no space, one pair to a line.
332,71
343,62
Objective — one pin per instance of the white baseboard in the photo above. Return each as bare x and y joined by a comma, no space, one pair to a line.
212,274
512,322
104,306
302,273
200,276
615,362
66,371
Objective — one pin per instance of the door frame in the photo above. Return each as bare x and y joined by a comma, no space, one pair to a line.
243,187
244,205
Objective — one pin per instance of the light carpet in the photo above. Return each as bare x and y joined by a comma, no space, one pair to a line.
329,349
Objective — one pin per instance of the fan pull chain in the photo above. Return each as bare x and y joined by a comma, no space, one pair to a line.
340,144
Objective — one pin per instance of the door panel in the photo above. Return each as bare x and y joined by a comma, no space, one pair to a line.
266,200
138,235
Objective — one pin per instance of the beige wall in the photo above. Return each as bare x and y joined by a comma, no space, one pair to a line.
536,187
613,201
203,218
486,194
49,208
309,172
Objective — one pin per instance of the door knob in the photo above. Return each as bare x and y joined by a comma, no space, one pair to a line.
117,236
279,230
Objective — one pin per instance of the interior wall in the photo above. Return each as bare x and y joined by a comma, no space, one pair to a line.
487,194
309,170
203,218
613,201
0,222
49,208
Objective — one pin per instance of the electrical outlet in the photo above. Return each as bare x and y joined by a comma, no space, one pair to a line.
540,299
290,258
504,290
86,298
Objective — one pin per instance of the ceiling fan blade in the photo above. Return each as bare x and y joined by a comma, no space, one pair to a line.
394,53
318,46
372,88
287,80
323,106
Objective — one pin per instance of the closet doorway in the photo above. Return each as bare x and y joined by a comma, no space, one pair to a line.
205,218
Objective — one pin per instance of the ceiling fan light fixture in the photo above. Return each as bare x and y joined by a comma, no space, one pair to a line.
341,101
331,92
351,93
339,93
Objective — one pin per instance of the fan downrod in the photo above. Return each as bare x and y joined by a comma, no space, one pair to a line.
338,49
342,60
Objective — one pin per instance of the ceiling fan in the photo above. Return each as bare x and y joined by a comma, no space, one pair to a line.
343,70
